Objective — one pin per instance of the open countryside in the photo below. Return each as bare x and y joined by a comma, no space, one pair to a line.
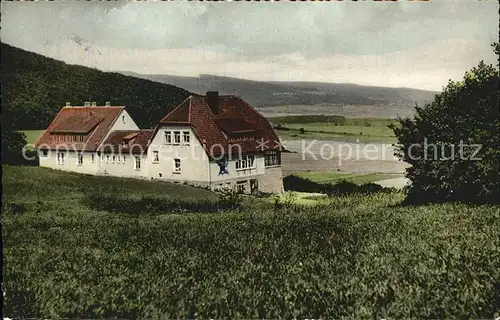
122,197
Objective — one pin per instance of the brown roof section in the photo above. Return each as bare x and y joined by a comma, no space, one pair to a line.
127,141
92,122
236,124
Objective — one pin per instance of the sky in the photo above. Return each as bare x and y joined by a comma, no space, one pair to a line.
396,44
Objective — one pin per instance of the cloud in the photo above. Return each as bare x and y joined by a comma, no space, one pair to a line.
284,40
408,68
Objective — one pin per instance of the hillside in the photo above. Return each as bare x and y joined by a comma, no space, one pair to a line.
271,94
352,257
36,87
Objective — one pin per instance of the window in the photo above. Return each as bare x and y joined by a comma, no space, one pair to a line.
156,157
185,136
177,165
272,158
168,137
44,153
124,158
80,159
114,159
92,157
137,163
246,162
102,158
123,119
107,158
177,137
60,158
241,186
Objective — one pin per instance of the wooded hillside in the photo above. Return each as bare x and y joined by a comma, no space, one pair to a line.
36,87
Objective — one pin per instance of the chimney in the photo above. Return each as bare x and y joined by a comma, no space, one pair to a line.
94,103
68,104
108,103
86,104
213,101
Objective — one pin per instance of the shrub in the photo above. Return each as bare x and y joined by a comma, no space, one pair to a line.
13,143
158,205
465,113
230,198
342,187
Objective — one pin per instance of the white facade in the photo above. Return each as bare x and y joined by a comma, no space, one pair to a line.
175,154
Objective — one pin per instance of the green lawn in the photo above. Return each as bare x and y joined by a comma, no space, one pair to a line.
32,135
352,129
332,177
348,257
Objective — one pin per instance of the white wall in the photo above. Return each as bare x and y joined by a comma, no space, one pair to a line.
119,124
194,160
121,167
236,173
71,162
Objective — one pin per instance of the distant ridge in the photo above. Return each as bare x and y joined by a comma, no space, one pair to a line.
280,93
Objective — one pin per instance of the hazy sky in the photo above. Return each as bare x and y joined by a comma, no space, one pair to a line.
399,44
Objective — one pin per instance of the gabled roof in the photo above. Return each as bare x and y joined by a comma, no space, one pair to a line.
235,123
127,141
92,122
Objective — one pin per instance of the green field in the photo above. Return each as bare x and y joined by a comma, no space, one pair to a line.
332,177
351,256
334,127
32,135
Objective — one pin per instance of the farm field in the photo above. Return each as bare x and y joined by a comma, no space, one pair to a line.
328,128
332,177
32,135
351,256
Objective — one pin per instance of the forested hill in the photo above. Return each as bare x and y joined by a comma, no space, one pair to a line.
35,87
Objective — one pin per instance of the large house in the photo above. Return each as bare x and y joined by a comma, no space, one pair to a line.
212,141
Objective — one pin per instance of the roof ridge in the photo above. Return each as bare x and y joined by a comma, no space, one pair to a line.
97,107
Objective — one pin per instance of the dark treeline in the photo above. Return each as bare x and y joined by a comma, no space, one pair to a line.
36,87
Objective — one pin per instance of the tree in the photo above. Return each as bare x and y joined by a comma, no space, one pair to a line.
453,144
13,143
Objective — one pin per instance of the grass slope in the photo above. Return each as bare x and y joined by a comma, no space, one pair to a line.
356,257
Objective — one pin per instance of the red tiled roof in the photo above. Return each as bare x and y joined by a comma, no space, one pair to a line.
79,123
236,123
127,141
93,122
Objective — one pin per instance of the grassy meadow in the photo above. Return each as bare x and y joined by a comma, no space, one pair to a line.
32,135
350,256
324,127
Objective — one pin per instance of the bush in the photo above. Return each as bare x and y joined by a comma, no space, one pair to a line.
157,205
230,198
465,113
342,187
13,143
